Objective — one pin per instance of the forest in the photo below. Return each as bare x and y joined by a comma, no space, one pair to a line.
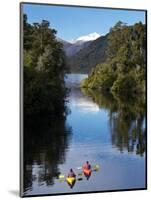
124,71
44,71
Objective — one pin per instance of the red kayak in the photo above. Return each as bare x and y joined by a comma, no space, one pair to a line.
87,171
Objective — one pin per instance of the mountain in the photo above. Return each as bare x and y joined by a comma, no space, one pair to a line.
89,56
74,46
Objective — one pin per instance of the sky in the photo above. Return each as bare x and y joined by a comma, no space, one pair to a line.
73,22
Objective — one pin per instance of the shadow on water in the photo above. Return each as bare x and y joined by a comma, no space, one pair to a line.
126,120
45,144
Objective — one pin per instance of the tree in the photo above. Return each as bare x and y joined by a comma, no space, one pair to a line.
44,70
124,70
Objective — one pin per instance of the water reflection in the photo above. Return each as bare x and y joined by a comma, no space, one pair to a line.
81,102
103,126
45,144
126,120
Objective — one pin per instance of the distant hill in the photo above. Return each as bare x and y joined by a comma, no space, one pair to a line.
89,56
74,46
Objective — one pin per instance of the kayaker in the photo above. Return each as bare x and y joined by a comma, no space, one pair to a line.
71,173
87,165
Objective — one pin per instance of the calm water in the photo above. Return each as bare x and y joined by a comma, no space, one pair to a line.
101,129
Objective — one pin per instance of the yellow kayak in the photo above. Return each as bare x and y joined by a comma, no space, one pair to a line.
70,180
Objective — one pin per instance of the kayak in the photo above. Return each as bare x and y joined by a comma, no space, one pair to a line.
70,180
87,171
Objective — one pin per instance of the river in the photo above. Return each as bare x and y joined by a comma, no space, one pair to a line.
99,129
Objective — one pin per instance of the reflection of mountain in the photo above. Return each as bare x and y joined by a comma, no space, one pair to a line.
127,120
81,102
77,99
45,144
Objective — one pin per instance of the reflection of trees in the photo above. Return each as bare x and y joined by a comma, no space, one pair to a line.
127,118
45,144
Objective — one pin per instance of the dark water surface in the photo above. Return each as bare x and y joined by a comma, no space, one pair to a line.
107,131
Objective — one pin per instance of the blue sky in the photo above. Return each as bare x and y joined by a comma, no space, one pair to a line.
73,22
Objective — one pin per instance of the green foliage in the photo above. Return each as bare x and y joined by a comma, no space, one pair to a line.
125,85
27,58
124,70
44,69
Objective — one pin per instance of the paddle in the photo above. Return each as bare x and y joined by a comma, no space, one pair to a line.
96,167
79,167
62,178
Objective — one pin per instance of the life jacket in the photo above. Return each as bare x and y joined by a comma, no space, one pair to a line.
71,174
87,166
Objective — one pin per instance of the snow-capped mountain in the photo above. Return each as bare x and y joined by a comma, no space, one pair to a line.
73,46
85,38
